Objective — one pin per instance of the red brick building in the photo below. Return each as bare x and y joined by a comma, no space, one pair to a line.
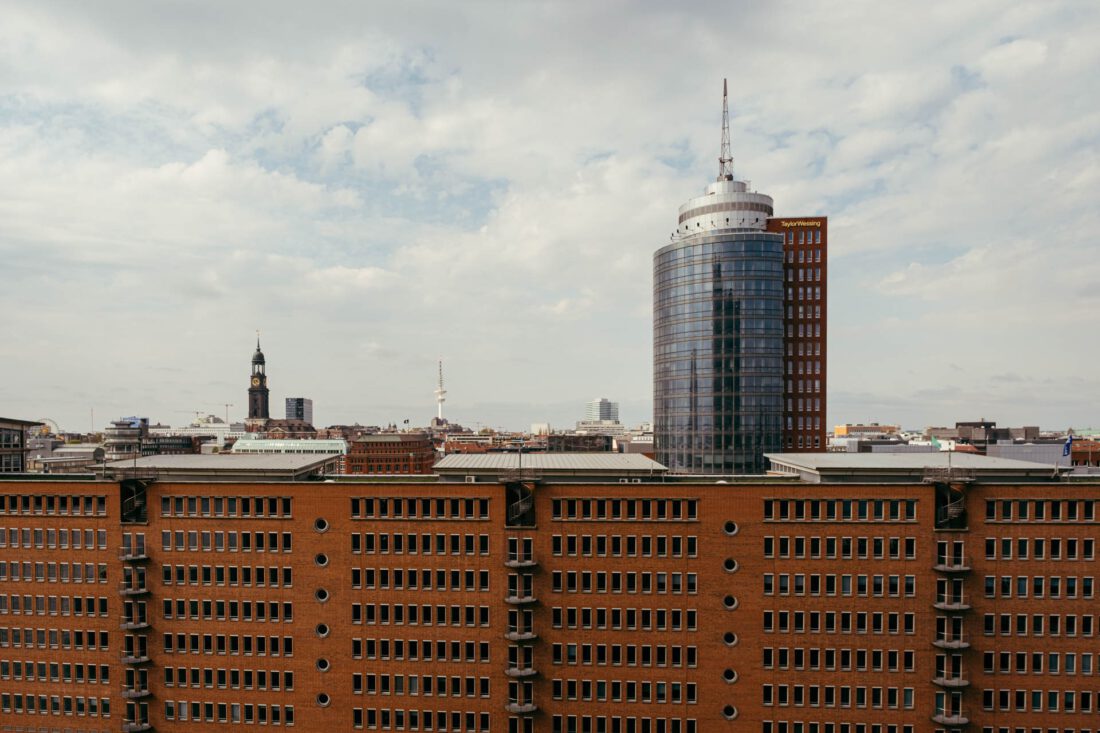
519,605
806,276
391,453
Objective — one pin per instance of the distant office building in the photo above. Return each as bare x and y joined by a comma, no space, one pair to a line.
310,446
979,434
1052,452
600,427
249,444
208,429
123,438
738,331
601,409
72,458
870,430
13,444
299,408
579,443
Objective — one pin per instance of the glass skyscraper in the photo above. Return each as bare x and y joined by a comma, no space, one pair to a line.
739,312
718,335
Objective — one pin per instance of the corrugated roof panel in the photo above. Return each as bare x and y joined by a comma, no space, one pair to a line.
549,462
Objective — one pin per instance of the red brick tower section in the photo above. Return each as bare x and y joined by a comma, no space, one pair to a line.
806,267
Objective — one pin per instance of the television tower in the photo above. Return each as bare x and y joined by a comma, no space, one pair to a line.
440,392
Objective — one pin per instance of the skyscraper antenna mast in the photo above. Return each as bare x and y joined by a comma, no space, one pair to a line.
725,159
440,393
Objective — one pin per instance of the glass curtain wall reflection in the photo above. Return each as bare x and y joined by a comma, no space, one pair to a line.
718,351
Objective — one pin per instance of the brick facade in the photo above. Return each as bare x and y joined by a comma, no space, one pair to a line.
806,279
772,607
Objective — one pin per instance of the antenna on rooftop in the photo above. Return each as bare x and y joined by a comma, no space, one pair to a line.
725,159
440,392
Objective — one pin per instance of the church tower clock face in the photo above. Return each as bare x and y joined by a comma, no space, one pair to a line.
255,381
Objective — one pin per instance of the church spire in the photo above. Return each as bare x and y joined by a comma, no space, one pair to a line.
258,393
258,356
725,159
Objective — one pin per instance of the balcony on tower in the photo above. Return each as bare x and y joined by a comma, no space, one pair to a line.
521,635
521,554
947,563
133,726
520,671
136,717
949,709
133,548
947,679
521,697
951,641
955,719
521,589
521,625
950,596
520,597
135,615
951,602
133,582
132,590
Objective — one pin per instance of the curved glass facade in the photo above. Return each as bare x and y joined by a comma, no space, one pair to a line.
718,351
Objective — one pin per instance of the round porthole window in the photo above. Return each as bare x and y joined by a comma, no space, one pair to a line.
323,699
321,559
321,594
730,712
729,676
729,602
730,565
731,528
322,630
730,638
320,524
323,664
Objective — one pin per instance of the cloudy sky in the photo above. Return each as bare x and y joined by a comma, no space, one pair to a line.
375,186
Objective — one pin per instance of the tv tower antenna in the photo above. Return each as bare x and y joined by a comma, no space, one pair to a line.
440,393
725,159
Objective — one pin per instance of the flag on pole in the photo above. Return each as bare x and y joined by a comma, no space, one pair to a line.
936,443
1067,446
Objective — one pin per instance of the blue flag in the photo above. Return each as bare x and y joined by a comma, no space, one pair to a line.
1067,446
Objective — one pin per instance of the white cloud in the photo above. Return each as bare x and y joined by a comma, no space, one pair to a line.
372,187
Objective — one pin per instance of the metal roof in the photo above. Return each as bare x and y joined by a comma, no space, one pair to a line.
223,461
589,462
223,467
289,445
11,421
906,467
871,461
